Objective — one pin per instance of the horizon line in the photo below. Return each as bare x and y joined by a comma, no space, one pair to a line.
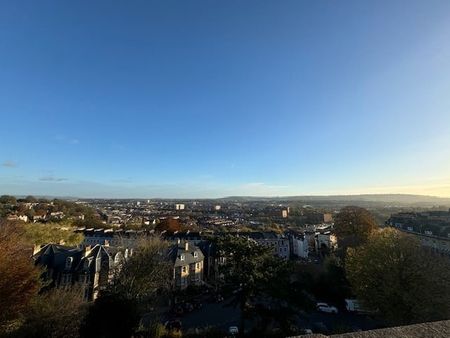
232,196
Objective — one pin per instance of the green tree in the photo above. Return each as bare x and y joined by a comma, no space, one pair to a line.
57,313
331,284
6,199
30,199
145,273
353,226
38,234
251,271
137,284
394,274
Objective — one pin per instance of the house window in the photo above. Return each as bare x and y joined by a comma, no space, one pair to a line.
182,257
184,269
197,265
69,261
195,254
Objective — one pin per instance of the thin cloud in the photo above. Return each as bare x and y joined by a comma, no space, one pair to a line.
9,164
52,179
67,140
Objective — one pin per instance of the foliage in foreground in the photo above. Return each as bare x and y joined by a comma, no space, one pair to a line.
57,313
255,277
136,286
111,316
144,273
394,274
19,278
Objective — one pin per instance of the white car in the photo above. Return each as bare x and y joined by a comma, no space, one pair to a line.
324,307
233,330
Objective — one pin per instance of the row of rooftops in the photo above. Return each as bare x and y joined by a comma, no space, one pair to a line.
71,259
197,235
109,232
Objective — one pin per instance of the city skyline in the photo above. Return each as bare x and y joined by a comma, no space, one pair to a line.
214,99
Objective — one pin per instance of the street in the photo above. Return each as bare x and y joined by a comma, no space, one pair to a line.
222,316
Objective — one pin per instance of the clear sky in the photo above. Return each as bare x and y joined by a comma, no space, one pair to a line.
217,98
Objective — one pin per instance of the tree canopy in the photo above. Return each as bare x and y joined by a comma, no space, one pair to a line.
169,224
394,274
144,273
19,278
252,272
37,234
7,199
137,283
353,226
57,313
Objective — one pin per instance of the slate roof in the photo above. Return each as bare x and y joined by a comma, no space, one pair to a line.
98,253
177,250
55,256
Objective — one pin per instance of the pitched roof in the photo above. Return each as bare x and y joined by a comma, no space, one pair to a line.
177,250
55,256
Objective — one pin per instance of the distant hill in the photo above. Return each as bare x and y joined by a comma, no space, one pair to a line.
401,199
316,200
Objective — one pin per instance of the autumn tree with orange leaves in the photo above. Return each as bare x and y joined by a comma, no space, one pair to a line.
19,277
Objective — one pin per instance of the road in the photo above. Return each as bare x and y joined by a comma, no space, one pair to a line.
219,315
223,316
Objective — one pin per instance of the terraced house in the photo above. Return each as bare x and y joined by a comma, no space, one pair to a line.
90,268
187,261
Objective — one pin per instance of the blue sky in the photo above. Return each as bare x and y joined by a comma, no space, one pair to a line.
218,98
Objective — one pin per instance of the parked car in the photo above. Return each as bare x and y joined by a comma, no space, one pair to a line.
233,330
324,307
353,305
